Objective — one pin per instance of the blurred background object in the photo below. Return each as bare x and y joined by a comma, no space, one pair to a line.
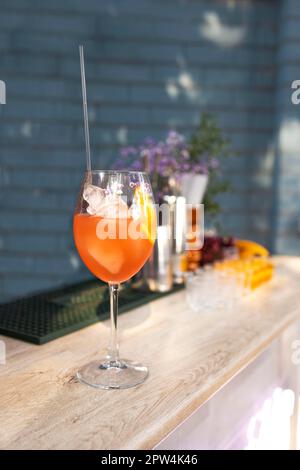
152,66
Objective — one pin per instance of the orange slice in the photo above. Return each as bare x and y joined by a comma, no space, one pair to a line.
148,224
249,249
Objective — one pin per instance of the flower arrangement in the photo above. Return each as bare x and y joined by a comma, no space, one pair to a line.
163,158
175,155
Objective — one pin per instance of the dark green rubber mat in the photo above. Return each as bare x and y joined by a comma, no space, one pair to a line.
44,317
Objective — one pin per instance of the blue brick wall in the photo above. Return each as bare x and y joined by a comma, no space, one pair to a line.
286,213
151,65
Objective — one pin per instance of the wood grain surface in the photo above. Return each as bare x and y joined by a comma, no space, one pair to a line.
191,356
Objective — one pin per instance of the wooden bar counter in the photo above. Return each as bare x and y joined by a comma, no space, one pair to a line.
191,356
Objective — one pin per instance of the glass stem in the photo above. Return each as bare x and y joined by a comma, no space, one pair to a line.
114,347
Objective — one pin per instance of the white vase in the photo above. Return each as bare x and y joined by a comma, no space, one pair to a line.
193,187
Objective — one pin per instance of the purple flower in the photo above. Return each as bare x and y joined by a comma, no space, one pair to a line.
127,151
164,159
185,154
174,139
200,168
214,163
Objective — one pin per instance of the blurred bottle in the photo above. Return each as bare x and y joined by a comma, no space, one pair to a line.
194,237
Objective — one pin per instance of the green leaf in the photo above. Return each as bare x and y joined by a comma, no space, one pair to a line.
207,143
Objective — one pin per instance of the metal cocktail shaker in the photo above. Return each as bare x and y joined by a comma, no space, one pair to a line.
158,271
178,229
165,264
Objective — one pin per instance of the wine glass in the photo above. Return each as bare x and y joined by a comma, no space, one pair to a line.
114,231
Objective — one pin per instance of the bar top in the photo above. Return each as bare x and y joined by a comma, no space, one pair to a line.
191,356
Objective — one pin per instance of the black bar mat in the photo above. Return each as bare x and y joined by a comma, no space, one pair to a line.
45,317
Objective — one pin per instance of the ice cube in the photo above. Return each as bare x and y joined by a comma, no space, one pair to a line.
100,203
111,260
95,197
114,208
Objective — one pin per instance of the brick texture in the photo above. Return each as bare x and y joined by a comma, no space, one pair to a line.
286,214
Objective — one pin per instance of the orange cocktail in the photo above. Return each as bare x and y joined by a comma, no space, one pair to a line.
112,259
114,230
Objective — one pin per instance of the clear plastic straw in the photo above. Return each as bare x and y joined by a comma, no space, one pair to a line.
85,111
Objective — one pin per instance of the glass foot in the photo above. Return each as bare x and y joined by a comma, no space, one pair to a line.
108,374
